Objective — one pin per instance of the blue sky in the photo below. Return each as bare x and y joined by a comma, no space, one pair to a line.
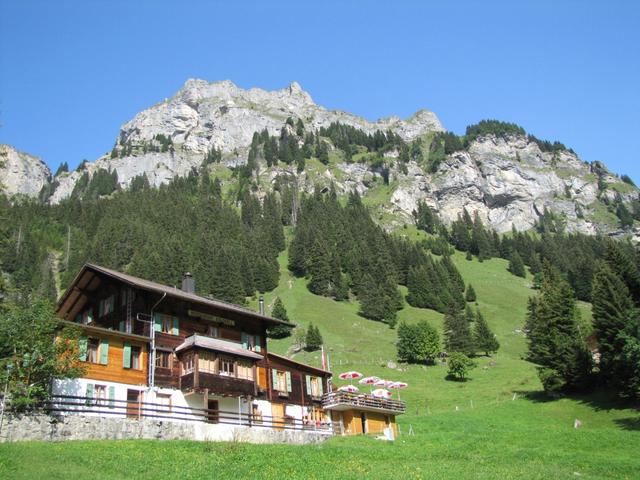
71,72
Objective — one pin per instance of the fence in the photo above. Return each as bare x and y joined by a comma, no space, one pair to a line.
69,405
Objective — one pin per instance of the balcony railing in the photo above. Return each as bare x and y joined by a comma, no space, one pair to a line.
340,400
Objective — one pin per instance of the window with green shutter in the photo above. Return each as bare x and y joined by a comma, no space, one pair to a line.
258,340
112,396
288,381
126,356
274,378
89,394
244,339
175,330
104,352
157,322
308,379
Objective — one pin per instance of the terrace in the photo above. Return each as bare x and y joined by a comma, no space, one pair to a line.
340,401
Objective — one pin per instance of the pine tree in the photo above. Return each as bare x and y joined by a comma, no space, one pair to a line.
470,296
516,265
456,332
313,339
483,338
555,340
279,312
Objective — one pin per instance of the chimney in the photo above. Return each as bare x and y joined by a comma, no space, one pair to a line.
188,283
261,305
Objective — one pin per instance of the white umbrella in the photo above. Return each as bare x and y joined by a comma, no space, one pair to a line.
369,380
350,375
349,389
398,386
381,393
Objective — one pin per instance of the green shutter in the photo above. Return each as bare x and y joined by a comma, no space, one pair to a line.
83,348
112,396
244,338
126,356
308,378
288,375
274,377
121,325
258,343
176,324
104,352
89,316
157,322
100,308
89,394
321,387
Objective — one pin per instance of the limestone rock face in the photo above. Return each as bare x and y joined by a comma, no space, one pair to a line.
203,116
508,180
21,173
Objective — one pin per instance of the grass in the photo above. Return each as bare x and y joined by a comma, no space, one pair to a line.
496,425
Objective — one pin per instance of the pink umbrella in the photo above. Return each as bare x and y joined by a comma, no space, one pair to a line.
383,383
369,380
350,375
381,393
349,389
398,386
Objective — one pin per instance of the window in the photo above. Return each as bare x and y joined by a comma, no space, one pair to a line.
227,367
280,381
100,394
93,346
166,324
135,358
213,331
207,362
251,342
314,386
163,359
106,305
256,413
187,363
245,370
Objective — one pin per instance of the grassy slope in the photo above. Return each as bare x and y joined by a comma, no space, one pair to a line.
465,430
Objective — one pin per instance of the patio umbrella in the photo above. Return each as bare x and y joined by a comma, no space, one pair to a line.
369,381
351,375
381,393
349,389
383,383
398,386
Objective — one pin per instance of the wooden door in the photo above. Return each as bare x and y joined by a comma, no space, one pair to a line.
277,413
133,403
213,415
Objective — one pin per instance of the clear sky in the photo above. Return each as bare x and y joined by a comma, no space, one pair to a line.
71,72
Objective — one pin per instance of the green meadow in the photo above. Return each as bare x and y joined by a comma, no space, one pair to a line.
496,425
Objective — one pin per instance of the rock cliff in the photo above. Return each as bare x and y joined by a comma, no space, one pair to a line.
21,173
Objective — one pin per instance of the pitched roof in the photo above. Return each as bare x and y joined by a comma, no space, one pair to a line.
300,365
217,345
165,290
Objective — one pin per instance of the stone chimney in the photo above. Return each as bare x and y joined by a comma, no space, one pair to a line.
188,283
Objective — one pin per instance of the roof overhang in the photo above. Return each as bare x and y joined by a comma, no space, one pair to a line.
216,345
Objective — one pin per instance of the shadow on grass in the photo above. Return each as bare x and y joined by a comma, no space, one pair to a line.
600,400
630,423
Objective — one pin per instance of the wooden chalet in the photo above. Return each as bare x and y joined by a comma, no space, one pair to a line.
147,342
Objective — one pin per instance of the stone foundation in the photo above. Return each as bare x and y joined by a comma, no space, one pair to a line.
58,428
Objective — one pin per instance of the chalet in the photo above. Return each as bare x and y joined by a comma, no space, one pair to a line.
144,342
154,350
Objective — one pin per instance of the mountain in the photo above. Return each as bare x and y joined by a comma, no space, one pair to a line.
21,173
509,177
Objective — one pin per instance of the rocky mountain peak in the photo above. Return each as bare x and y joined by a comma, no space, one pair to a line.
21,173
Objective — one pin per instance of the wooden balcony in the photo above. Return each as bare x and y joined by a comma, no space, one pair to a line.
347,401
218,384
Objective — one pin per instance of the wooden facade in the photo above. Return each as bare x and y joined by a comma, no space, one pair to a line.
186,343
